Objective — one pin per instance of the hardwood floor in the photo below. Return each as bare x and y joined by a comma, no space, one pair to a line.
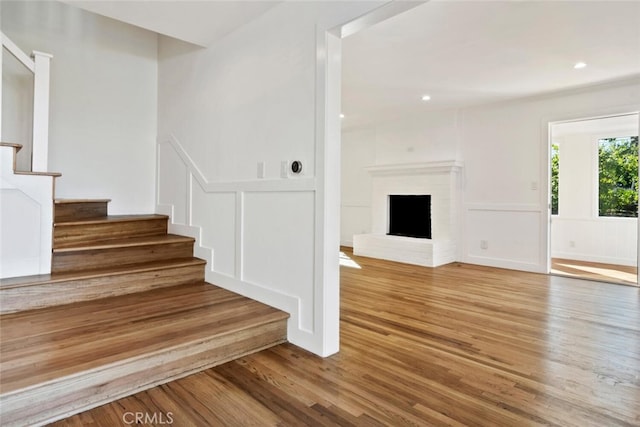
448,346
611,273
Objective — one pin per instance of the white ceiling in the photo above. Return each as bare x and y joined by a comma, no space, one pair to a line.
461,53
200,22
466,53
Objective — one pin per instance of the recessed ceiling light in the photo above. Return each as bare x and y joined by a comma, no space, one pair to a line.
579,65
426,98
341,116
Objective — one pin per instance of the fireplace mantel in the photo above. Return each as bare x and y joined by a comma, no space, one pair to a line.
415,168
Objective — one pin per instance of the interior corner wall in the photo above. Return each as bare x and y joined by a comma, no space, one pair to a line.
229,116
103,104
355,204
505,150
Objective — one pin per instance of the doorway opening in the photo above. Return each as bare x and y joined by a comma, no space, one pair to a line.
594,199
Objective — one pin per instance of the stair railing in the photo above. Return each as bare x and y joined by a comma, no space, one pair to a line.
39,64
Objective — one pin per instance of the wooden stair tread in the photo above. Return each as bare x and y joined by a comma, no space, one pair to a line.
122,243
65,201
17,282
43,345
110,219
18,147
53,174
124,309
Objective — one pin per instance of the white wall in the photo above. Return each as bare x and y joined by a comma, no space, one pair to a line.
577,232
426,137
578,175
355,206
504,147
258,95
103,101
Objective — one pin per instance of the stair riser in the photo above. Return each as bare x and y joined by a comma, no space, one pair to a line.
81,210
86,233
71,395
51,294
99,258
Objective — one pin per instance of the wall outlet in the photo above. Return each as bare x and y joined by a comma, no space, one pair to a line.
284,169
572,243
484,244
534,185
261,169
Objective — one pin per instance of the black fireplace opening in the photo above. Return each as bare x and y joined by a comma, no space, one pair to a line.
410,215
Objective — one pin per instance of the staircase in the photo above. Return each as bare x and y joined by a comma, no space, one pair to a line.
125,308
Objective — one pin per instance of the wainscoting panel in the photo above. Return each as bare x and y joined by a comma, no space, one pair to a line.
21,234
215,214
278,244
257,236
605,240
26,219
503,236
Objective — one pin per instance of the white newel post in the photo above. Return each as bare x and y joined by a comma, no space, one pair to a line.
41,111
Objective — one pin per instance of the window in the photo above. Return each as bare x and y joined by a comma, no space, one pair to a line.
618,176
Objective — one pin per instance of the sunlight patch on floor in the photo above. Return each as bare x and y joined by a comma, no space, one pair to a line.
348,262
606,272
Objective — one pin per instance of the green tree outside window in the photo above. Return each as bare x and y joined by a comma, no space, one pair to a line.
618,176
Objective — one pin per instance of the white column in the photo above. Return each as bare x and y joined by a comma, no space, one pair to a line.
1,55
41,111
327,233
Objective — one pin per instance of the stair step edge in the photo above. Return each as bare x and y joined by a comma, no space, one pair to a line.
261,321
111,219
65,201
38,280
124,243
29,173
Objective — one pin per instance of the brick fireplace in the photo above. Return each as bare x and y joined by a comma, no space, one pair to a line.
441,181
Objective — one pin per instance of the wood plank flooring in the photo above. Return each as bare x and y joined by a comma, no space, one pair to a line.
611,273
449,346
